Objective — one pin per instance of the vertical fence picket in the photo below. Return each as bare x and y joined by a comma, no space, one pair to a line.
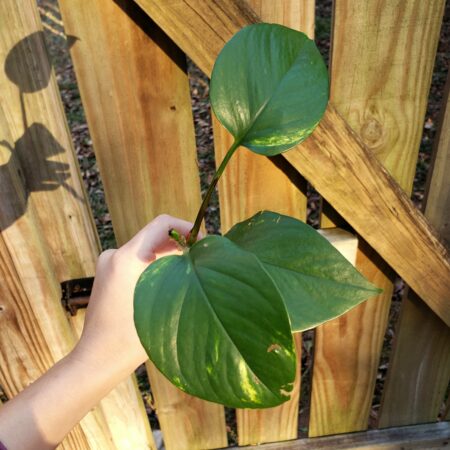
41,189
385,104
419,370
252,183
34,332
135,91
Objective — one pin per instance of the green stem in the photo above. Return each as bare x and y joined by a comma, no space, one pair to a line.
177,237
201,212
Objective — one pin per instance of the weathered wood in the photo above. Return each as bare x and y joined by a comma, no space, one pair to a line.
40,143
346,357
38,194
437,204
134,87
296,14
34,332
252,183
429,436
135,92
333,159
343,385
419,369
187,422
198,27
387,112
393,60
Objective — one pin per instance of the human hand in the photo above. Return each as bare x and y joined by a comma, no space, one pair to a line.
109,339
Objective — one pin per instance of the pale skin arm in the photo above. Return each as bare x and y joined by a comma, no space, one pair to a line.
108,351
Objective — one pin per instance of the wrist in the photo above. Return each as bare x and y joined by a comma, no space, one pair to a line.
113,362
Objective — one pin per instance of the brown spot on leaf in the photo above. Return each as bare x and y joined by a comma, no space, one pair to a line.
274,348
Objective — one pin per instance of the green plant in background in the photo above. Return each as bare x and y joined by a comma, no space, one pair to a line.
217,321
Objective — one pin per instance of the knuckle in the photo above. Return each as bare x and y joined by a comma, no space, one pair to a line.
162,218
105,257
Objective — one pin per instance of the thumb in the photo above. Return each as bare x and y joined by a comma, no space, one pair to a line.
154,241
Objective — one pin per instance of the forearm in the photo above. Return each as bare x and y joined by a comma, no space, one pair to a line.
108,351
41,416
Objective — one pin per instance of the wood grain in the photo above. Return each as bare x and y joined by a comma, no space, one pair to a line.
342,383
200,28
419,369
387,112
334,160
187,422
135,92
429,436
437,200
250,184
40,143
296,14
136,95
34,332
47,233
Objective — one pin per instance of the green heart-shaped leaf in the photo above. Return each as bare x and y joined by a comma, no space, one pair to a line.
316,282
214,323
269,87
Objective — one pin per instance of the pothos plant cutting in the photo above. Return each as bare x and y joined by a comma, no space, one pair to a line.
217,320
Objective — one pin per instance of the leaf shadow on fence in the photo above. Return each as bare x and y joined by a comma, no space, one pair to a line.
28,67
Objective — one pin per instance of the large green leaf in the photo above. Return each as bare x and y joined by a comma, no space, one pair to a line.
269,87
214,323
316,282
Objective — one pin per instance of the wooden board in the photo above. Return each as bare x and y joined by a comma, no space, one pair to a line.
40,143
296,14
252,183
135,92
34,332
437,203
187,422
387,112
419,370
346,357
47,229
431,436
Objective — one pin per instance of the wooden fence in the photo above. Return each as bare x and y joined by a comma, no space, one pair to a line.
129,57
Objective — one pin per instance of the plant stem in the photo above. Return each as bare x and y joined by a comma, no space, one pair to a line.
177,237
201,212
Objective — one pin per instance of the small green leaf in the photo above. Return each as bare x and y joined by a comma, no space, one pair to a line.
316,282
269,87
214,324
